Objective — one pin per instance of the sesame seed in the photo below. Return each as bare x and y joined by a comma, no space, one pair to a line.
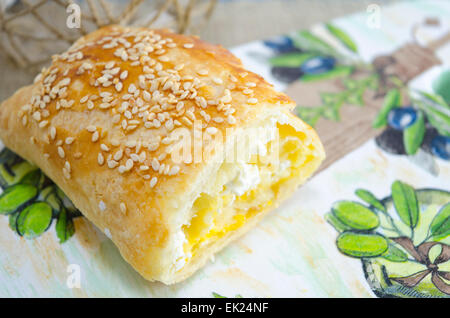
91,128
153,182
202,72
67,166
66,173
155,164
123,75
118,155
211,130
112,164
90,105
123,207
129,164
188,45
109,65
174,170
134,157
37,116
69,140
252,100
95,136
61,152
104,147
131,88
100,159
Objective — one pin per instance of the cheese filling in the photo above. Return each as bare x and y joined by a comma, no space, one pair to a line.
246,189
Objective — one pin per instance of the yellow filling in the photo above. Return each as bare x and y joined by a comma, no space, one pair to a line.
215,216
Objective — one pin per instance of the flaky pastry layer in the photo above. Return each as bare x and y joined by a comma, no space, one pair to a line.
104,121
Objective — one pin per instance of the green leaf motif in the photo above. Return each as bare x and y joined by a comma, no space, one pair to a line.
394,254
440,226
309,114
34,220
64,226
368,197
308,41
343,37
290,59
392,100
51,197
216,295
338,71
361,245
15,197
7,155
414,134
437,112
355,215
13,174
332,113
336,223
12,220
441,85
405,202
34,177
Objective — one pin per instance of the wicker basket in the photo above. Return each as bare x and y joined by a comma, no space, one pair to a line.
33,30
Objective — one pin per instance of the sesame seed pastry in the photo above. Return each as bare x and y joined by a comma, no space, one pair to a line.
105,122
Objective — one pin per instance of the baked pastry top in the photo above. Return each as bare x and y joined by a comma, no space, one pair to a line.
134,126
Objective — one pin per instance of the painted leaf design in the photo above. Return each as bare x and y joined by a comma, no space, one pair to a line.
332,113
405,202
290,59
309,114
15,197
64,226
13,174
414,134
50,196
34,220
368,197
355,215
436,99
338,71
7,155
441,85
12,221
440,226
34,177
392,100
308,41
343,37
394,254
437,114
361,245
336,223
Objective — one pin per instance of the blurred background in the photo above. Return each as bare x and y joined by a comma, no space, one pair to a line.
239,21
32,30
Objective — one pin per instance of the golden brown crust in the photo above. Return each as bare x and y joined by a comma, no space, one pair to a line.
99,122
